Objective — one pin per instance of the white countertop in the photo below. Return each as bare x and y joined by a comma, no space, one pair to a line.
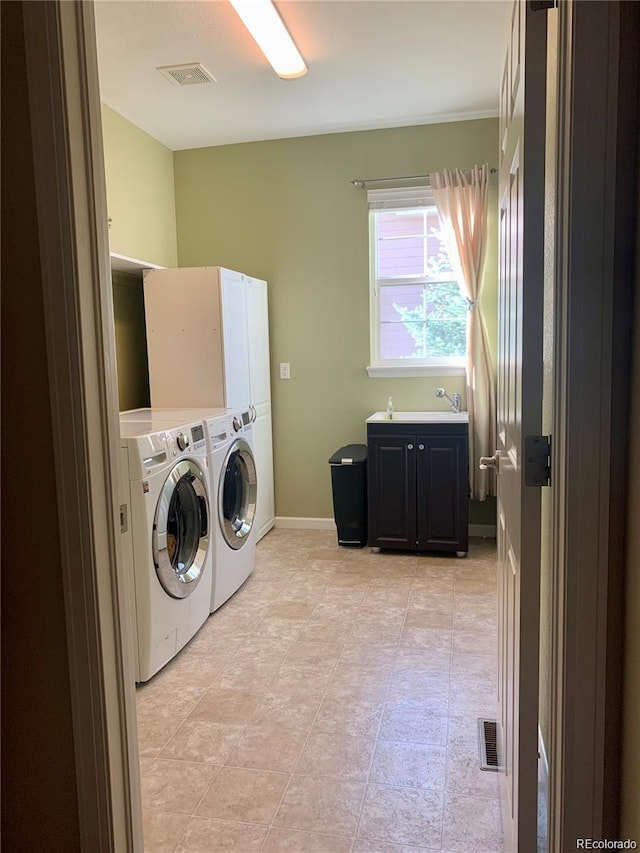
420,418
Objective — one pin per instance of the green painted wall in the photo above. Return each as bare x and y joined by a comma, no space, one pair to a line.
285,210
140,192
131,341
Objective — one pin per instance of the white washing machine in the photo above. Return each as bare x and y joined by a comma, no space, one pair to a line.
167,541
234,490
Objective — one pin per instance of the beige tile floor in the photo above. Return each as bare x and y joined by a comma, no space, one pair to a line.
329,707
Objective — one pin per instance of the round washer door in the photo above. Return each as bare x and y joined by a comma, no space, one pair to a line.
181,529
237,495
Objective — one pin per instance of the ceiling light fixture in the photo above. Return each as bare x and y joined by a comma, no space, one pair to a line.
264,23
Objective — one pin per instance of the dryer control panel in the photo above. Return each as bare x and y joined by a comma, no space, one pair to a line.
242,420
187,439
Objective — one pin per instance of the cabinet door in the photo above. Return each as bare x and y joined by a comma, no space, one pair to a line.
260,398
233,298
392,491
442,493
263,455
258,342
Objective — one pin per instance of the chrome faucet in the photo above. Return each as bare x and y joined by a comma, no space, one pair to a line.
455,400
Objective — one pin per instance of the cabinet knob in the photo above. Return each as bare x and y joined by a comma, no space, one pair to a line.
421,447
409,446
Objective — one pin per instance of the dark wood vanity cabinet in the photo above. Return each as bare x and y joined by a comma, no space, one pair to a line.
418,486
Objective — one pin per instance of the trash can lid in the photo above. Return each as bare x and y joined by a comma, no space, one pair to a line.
350,454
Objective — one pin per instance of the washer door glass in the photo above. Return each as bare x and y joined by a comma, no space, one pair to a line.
181,529
238,494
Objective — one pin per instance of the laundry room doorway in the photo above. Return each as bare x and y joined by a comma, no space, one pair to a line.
73,246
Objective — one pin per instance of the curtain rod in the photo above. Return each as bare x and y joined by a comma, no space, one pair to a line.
361,182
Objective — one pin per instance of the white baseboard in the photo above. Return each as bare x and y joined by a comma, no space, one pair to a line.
305,523
486,530
296,523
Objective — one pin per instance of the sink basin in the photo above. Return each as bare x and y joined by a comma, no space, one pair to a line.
421,418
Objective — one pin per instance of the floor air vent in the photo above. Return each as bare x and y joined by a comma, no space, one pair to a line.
488,744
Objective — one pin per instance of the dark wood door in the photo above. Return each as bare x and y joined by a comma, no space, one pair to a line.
442,493
392,491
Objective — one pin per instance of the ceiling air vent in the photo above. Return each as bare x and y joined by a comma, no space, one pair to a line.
186,75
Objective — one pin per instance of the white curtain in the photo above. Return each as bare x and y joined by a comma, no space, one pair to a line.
461,199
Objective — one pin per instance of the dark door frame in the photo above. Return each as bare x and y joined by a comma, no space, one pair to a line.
595,239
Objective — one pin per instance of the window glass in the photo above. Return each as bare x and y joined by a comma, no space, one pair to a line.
401,248
422,321
420,313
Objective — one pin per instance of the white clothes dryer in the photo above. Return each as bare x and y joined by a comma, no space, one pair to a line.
169,549
234,489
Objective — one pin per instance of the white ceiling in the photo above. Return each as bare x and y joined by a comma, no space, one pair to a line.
372,64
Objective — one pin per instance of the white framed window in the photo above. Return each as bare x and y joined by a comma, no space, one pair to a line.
417,310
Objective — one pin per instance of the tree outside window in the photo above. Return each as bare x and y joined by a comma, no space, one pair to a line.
422,313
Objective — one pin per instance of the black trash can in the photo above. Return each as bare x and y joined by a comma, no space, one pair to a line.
349,484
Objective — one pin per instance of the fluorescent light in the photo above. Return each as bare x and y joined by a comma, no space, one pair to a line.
270,34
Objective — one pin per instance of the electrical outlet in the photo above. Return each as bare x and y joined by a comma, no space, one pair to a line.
285,370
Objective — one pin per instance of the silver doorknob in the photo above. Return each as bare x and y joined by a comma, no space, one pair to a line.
487,462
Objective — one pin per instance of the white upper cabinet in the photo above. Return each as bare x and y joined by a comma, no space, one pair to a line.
197,337
208,345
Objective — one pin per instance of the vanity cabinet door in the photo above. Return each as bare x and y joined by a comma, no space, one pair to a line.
442,501
392,491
